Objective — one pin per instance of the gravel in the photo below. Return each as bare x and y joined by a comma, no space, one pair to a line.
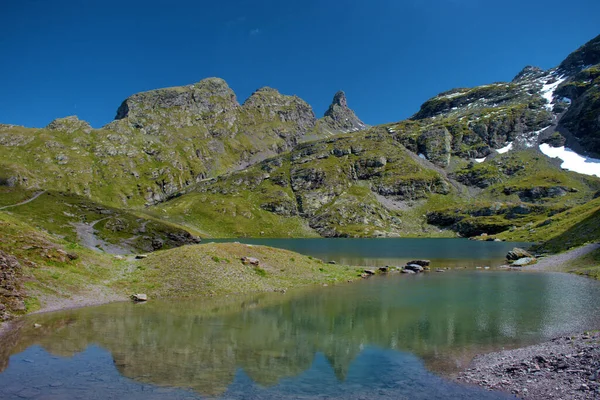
566,367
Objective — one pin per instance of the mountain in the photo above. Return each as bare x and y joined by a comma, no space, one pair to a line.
174,142
183,162
160,142
468,161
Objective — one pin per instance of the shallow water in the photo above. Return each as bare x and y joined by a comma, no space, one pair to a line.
394,251
388,337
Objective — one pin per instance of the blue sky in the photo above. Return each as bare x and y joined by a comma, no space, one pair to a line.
85,57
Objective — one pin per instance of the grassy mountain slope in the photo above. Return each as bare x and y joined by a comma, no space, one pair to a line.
160,142
365,184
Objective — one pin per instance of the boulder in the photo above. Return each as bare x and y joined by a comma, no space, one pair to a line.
408,271
332,262
250,260
521,262
384,269
139,297
414,267
369,271
141,256
517,253
422,263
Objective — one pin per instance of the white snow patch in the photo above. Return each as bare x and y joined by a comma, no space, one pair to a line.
505,148
548,91
452,95
480,160
571,160
422,156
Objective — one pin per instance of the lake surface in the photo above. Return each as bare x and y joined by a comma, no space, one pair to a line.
394,251
390,337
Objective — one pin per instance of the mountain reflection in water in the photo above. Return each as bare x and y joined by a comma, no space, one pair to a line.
351,339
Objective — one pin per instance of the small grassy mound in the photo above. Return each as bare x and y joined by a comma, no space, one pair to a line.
217,269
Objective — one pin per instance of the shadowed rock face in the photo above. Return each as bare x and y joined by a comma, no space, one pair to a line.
585,56
339,117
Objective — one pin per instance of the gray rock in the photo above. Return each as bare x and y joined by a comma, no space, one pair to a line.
517,253
369,271
251,261
340,118
422,263
521,262
408,271
414,267
139,297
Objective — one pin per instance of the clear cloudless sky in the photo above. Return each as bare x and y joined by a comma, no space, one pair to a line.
84,57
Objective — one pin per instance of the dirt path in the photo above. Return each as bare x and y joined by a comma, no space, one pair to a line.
35,196
555,262
87,237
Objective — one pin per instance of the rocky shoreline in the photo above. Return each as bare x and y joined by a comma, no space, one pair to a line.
567,367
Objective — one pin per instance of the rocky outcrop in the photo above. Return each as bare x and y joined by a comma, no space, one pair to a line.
69,124
11,292
339,118
210,104
267,105
435,145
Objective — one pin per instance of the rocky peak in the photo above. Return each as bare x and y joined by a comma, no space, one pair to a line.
69,124
585,56
267,104
528,73
339,99
208,95
340,118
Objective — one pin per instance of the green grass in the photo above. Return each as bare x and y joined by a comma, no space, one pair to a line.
192,271
587,265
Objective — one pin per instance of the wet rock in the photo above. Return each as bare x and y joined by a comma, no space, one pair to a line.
414,267
408,271
422,263
384,269
369,271
521,262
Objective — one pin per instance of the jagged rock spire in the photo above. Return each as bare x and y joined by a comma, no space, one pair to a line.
339,117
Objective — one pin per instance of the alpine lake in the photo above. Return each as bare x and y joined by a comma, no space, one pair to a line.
392,336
